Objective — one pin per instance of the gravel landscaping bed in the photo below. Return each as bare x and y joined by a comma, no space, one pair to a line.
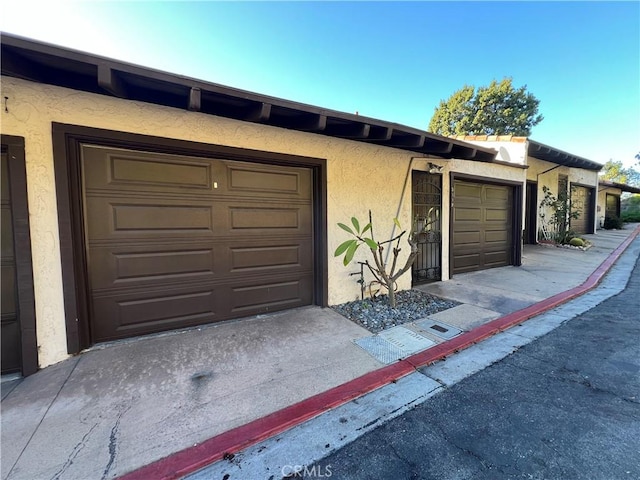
376,315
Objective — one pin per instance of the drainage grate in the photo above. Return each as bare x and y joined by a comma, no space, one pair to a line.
380,349
405,339
394,344
440,329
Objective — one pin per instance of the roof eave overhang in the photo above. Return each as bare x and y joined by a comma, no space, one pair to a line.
50,64
553,155
620,186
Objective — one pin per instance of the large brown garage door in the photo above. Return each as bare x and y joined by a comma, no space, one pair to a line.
481,226
581,202
177,241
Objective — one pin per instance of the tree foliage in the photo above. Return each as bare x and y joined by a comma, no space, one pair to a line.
496,109
617,172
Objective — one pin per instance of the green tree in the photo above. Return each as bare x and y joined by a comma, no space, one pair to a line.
496,109
616,172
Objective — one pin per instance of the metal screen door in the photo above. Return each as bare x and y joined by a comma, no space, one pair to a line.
427,208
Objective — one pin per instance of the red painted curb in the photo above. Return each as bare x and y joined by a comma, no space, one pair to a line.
191,459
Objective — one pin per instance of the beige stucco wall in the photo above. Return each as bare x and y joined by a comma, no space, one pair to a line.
359,177
547,173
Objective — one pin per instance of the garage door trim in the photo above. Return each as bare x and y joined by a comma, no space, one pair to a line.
13,146
516,219
67,141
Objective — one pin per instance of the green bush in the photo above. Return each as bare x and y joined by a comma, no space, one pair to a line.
565,237
633,216
576,242
611,222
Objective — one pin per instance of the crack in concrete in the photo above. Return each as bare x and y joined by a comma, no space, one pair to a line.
74,453
77,360
113,442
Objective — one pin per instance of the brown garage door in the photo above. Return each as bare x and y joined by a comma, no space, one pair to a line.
581,201
481,226
176,241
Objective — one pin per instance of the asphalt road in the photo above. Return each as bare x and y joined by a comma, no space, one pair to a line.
566,406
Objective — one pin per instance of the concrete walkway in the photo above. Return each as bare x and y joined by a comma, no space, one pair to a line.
119,407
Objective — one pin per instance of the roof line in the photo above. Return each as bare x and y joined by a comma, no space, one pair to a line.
622,186
554,155
51,64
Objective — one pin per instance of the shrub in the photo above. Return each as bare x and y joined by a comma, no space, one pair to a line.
611,222
633,216
576,242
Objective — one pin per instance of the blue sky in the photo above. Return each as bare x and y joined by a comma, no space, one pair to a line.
390,60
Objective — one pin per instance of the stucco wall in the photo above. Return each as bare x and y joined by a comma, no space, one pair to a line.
359,177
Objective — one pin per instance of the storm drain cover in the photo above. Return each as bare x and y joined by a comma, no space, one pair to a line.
380,349
394,344
440,329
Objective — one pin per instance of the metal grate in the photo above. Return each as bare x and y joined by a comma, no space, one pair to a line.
394,344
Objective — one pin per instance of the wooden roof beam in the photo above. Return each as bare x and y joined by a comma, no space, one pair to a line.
352,131
260,113
195,99
109,81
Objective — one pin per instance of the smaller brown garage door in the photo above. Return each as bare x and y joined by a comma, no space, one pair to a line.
482,226
581,201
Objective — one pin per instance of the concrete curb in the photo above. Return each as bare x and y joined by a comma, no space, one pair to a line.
216,448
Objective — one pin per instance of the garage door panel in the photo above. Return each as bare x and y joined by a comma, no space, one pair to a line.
260,218
467,238
497,194
500,215
139,218
498,259
496,236
258,258
270,296
467,213
124,170
470,191
113,218
115,267
131,314
268,181
466,262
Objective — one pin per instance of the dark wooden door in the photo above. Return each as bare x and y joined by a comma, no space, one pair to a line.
612,207
481,226
11,339
175,241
